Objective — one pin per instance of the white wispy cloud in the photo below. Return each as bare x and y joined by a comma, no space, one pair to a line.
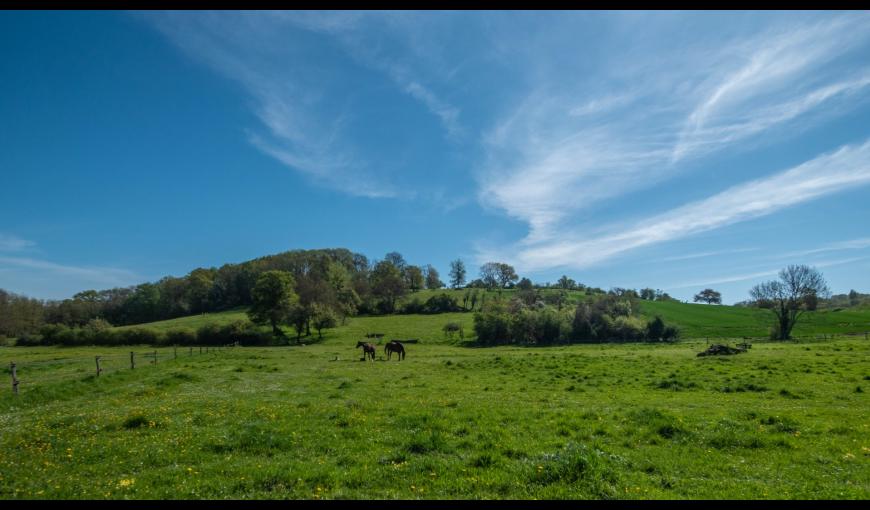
775,81
706,254
603,104
296,98
852,244
845,168
96,276
359,33
305,129
13,243
448,114
741,124
760,274
552,170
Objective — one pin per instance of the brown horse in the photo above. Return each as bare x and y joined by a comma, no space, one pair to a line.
368,350
394,346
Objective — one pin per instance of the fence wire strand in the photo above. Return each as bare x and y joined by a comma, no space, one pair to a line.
36,373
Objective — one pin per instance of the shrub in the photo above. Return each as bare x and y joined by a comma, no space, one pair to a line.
492,325
655,329
670,334
181,336
452,328
415,305
441,303
29,340
629,328
136,336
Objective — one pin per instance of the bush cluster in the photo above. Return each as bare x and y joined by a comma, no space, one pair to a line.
97,332
606,319
440,303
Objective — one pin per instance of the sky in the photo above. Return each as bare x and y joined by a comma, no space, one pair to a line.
670,150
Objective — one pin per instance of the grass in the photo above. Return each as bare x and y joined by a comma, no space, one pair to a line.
195,322
629,421
694,320
699,321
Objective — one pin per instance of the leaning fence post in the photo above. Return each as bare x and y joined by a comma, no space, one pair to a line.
14,379
97,359
132,363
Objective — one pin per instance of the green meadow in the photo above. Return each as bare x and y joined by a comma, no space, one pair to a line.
604,421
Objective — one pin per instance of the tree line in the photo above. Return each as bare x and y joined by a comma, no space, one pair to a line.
339,280
328,286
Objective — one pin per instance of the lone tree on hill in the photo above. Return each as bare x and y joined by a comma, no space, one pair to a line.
273,299
797,290
457,273
709,296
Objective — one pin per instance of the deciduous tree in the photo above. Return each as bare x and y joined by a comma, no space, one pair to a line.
709,296
796,291
273,299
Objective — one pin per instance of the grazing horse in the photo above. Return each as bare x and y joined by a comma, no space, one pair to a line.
368,350
394,346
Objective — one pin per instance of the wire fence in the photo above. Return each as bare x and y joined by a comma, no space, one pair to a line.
818,337
45,372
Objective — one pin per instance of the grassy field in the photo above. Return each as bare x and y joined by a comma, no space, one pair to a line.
694,320
700,321
633,421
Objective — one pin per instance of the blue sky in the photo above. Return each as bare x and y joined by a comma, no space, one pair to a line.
671,150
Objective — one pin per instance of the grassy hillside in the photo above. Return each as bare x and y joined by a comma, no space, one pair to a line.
426,328
694,321
635,421
194,321
699,321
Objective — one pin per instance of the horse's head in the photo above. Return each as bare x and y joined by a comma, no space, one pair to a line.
360,344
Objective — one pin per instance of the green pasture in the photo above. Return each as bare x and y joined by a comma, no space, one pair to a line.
612,421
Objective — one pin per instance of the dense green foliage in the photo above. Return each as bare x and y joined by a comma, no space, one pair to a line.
333,285
346,282
273,299
525,319
208,333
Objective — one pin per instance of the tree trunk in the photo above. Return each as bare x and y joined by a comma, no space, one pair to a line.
275,330
784,328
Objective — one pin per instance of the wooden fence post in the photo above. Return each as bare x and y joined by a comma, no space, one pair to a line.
175,352
191,352
97,359
14,379
200,349
155,357
132,363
